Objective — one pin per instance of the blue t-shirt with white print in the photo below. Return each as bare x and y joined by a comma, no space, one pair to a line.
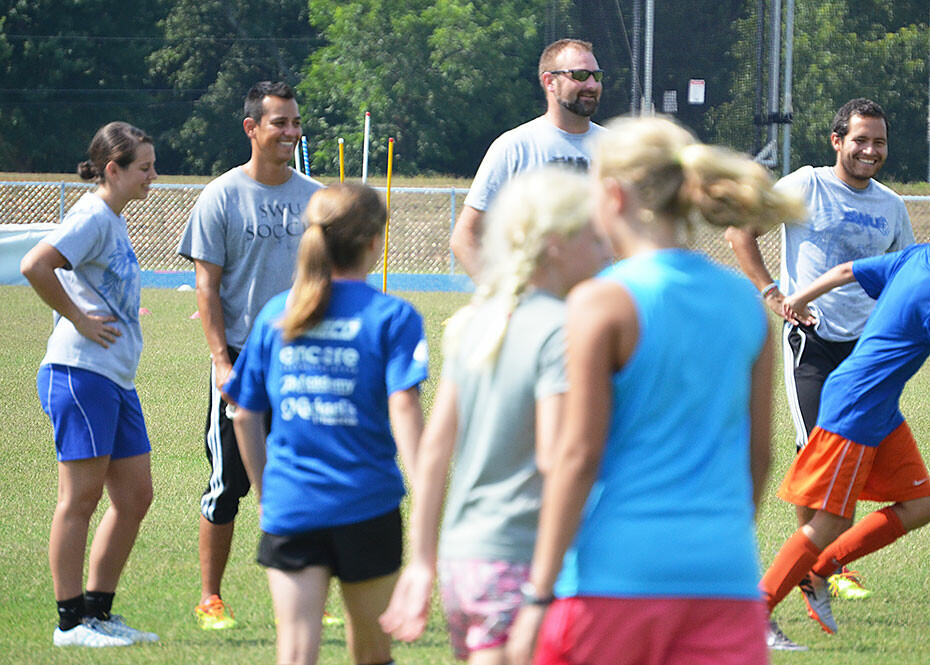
330,456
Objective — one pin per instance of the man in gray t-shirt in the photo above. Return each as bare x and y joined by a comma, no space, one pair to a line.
571,80
242,236
852,216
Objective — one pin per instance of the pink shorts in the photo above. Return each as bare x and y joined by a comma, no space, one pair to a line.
653,631
481,599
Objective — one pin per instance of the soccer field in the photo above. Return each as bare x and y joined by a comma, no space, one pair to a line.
161,585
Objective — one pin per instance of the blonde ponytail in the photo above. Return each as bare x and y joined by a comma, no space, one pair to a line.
312,285
341,221
683,181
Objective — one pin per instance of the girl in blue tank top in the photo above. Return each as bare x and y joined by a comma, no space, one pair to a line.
646,548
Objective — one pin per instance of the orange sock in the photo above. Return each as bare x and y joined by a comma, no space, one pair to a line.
871,533
791,564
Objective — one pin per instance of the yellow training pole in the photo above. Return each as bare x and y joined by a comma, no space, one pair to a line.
342,161
387,222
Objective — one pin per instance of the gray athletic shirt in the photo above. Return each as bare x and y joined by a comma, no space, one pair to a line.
492,508
253,231
102,278
845,224
531,145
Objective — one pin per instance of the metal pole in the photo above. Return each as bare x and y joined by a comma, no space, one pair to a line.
760,70
636,93
648,108
789,71
773,68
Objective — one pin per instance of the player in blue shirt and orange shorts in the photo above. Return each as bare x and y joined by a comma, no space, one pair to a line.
862,447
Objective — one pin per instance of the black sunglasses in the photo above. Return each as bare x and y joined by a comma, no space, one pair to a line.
581,74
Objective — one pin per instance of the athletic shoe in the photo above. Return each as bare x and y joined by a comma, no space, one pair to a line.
88,634
330,620
117,626
817,597
214,614
778,641
847,585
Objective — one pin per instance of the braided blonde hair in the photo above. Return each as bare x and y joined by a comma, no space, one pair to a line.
527,212
677,178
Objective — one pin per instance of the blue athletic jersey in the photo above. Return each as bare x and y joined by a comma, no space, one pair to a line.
860,397
330,452
671,511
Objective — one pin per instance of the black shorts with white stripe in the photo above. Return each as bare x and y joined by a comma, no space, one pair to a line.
809,359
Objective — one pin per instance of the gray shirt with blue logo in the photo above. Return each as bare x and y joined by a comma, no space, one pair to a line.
252,231
102,278
844,224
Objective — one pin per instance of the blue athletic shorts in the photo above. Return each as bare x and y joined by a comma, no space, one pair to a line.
91,415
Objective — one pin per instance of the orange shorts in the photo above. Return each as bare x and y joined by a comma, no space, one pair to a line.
831,472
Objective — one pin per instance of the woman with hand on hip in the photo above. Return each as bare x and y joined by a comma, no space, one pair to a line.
87,272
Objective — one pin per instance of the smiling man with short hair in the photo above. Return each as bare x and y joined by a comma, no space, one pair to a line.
851,216
242,236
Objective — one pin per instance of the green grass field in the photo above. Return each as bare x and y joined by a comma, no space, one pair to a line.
161,582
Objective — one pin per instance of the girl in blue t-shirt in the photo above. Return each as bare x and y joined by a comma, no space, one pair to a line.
646,550
339,365
87,272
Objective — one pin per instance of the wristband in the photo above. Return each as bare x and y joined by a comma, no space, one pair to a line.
769,290
531,597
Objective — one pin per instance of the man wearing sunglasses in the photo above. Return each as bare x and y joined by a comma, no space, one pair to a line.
571,79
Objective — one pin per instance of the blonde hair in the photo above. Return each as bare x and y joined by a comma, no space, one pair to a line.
341,220
682,180
527,213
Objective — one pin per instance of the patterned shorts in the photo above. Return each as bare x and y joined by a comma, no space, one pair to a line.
481,599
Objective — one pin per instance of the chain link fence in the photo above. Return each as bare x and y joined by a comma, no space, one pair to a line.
420,225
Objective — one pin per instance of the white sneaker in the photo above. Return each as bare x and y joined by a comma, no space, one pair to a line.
778,641
87,634
817,597
117,627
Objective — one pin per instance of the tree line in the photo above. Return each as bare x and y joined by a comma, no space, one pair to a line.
443,77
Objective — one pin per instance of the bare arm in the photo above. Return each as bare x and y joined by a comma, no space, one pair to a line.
760,417
38,266
407,613
795,305
598,330
549,413
745,246
466,239
407,423
208,277
251,435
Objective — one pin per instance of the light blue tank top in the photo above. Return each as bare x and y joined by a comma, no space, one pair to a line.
671,513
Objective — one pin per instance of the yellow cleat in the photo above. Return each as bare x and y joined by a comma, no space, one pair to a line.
214,614
847,585
330,620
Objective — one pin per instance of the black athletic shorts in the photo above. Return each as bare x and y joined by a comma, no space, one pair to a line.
809,359
229,481
353,552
